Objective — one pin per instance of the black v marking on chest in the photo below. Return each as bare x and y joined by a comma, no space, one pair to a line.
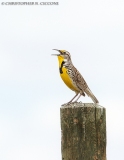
60,69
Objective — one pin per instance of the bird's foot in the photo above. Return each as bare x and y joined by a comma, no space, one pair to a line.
65,104
69,104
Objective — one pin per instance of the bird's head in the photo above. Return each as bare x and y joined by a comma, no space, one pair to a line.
65,55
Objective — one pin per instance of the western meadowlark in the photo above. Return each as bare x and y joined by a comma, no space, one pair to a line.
71,76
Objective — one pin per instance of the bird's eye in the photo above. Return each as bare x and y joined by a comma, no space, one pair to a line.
64,52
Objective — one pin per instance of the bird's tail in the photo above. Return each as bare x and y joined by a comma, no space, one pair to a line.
91,95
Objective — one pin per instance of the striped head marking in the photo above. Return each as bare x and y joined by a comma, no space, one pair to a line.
64,54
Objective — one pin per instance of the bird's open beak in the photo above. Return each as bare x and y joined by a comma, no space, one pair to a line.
56,54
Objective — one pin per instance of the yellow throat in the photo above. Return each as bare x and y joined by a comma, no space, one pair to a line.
64,75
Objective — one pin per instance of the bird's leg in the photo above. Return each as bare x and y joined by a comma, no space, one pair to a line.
72,99
78,97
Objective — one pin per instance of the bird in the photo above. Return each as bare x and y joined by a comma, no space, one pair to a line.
72,77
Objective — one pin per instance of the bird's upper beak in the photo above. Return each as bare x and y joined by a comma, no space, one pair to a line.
56,54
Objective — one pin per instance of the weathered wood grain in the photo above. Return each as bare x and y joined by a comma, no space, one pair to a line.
83,127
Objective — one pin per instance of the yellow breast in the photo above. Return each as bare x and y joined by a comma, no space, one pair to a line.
65,77
67,80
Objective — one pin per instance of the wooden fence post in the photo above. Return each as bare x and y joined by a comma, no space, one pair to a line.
83,127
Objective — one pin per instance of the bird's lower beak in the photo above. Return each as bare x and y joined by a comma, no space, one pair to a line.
56,54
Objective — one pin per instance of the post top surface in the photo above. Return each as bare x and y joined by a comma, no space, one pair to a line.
80,104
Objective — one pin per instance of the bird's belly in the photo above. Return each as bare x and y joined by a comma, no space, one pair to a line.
67,80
